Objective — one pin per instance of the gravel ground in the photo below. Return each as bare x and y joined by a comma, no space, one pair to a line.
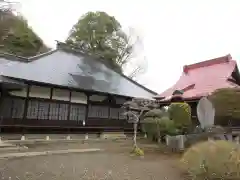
115,163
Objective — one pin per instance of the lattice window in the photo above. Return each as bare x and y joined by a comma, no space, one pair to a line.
43,108
77,112
18,108
81,113
53,111
63,111
114,113
32,112
98,111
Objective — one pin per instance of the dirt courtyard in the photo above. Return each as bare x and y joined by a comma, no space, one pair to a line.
114,163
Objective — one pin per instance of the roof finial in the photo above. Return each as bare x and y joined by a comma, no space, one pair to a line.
229,57
185,69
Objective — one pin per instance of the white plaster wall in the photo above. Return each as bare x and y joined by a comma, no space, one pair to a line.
40,92
58,94
22,93
78,97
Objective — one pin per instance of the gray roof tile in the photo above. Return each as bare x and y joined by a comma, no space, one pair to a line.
63,68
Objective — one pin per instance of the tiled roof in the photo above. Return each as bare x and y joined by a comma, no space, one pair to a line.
202,78
72,69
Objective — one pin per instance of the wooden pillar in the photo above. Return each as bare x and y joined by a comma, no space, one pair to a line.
26,108
26,103
109,105
69,105
11,108
49,106
51,93
86,114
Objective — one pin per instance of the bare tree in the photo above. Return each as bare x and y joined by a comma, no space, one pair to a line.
132,57
134,109
6,5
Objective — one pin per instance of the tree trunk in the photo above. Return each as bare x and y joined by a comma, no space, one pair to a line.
158,132
135,135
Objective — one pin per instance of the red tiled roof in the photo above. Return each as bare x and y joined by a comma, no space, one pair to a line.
203,78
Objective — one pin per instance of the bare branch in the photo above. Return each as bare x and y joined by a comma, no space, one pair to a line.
131,54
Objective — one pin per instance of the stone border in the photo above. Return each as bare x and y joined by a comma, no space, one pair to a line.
32,154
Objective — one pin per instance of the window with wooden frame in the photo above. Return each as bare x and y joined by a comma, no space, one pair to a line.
98,111
43,108
17,108
63,112
77,112
32,112
53,111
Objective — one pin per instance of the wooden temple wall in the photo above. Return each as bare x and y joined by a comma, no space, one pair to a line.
42,107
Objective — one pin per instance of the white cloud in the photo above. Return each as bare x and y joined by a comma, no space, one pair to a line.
175,32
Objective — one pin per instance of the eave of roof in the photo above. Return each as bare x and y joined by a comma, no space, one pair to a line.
201,79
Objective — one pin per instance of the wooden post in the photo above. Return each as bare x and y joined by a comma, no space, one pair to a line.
109,106
26,104
69,105
86,114
49,106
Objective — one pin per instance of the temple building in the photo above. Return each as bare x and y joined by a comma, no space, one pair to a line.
63,90
201,79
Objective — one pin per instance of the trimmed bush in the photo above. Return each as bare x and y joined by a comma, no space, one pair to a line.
180,113
154,113
227,106
167,127
213,160
149,126
159,126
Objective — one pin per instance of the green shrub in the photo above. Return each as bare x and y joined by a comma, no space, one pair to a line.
155,113
213,160
226,102
150,127
159,126
180,113
167,126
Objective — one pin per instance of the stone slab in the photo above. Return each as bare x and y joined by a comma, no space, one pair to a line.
32,154
4,145
113,135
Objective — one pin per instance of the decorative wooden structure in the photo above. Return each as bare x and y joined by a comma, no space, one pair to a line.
63,90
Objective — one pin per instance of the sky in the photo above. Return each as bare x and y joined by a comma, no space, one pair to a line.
174,33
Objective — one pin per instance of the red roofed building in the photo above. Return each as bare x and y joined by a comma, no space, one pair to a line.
201,79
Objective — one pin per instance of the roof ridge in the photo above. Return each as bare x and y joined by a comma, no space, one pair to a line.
206,63
25,59
13,57
41,55
74,49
